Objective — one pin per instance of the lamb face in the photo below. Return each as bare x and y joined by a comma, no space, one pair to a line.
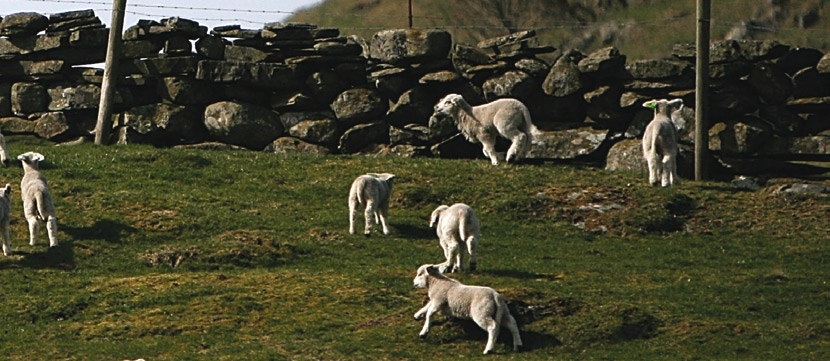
31,158
445,108
421,276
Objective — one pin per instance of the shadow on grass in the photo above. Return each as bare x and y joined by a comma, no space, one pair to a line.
522,275
409,231
530,340
61,257
105,229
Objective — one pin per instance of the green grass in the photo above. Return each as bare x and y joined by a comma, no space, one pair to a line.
171,254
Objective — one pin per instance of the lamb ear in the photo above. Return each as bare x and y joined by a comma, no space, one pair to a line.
432,270
677,104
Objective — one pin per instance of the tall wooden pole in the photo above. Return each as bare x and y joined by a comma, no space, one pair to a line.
103,127
410,14
702,91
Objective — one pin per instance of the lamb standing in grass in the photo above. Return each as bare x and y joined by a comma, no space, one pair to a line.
660,142
506,117
37,201
4,151
481,304
5,218
371,192
456,225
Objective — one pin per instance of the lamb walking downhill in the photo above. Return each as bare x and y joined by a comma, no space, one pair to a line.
37,201
370,192
456,226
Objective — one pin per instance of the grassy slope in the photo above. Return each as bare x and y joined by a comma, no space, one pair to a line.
653,26
180,254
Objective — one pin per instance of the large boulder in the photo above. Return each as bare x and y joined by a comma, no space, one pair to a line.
627,155
167,122
27,23
413,107
293,145
68,97
585,142
745,136
512,84
410,45
789,146
770,82
359,105
28,98
605,63
362,136
564,77
314,127
186,90
52,126
247,125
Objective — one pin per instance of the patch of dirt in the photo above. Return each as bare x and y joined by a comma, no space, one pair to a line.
240,248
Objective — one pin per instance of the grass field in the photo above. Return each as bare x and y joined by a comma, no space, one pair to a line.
176,254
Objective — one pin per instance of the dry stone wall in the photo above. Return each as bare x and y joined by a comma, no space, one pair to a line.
301,88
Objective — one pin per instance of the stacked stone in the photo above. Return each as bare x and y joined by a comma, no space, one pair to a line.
242,87
41,90
300,88
767,103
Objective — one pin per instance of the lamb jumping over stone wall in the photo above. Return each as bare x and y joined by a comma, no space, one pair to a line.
481,304
660,142
507,117
456,225
370,191
37,201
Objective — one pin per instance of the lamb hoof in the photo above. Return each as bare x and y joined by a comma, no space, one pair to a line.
473,266
367,234
422,336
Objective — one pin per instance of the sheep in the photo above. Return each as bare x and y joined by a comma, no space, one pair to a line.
660,142
5,218
371,191
4,151
37,201
456,225
507,117
481,304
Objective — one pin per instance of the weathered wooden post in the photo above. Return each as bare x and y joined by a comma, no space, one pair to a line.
702,91
103,127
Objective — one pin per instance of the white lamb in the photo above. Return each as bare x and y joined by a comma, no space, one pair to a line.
481,304
507,117
37,201
4,151
371,192
456,225
5,218
660,142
